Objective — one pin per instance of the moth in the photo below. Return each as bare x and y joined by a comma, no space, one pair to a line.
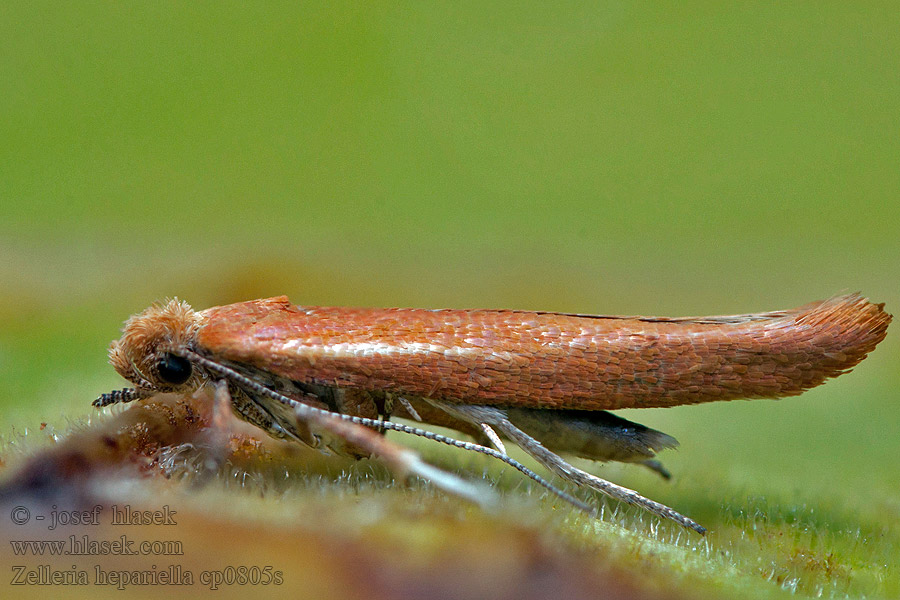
333,377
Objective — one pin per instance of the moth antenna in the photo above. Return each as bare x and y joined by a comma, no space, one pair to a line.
304,410
121,397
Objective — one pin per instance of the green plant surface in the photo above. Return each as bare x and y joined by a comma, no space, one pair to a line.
613,157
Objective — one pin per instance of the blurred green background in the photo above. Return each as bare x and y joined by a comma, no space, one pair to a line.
613,157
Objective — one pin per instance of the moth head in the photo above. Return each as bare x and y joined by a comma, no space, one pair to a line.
146,353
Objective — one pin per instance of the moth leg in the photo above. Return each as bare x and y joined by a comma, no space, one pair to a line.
498,418
275,420
491,435
595,435
433,415
389,400
219,432
350,401
335,432
399,459
217,436
346,401
657,467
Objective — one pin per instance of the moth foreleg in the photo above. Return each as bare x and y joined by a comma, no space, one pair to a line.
219,432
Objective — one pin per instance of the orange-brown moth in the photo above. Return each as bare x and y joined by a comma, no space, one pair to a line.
332,377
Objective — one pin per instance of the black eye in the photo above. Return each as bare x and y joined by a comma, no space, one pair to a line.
174,369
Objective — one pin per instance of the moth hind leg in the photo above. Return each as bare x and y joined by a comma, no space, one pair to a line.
595,435
657,467
498,418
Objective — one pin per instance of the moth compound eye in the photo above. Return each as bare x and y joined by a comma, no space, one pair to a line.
174,369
